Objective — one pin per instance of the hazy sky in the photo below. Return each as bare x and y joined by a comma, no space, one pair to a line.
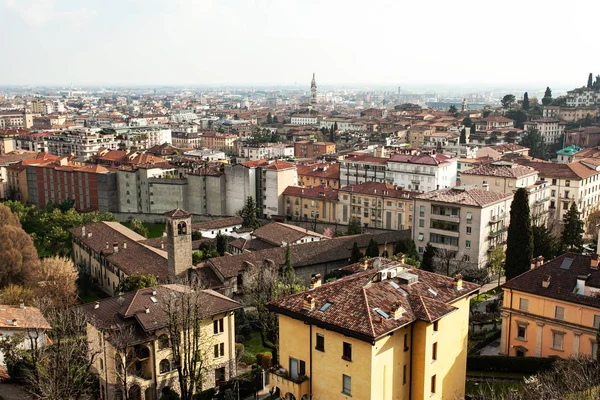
254,42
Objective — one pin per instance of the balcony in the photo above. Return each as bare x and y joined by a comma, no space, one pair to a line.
498,217
297,387
497,232
449,217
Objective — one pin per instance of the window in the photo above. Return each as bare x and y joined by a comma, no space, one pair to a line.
554,181
468,244
421,223
468,230
521,332
594,346
347,385
433,384
406,342
596,321
219,350
347,354
559,312
422,211
523,304
434,351
557,340
435,326
421,237
553,193
469,216
218,326
163,342
320,342
404,374
164,366
567,183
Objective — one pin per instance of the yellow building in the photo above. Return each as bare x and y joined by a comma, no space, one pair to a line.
318,202
387,331
149,367
377,205
553,310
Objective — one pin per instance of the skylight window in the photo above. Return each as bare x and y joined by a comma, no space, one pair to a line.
325,307
382,313
433,292
394,285
566,263
154,299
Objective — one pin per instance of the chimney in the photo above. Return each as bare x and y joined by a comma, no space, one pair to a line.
485,186
315,282
580,286
458,281
14,322
21,304
363,264
83,231
115,247
96,305
594,261
308,303
162,245
397,310
537,262
89,235
124,245
546,281
147,310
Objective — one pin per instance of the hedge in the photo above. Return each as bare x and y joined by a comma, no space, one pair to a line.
523,365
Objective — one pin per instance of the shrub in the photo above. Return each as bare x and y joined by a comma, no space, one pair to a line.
247,358
267,360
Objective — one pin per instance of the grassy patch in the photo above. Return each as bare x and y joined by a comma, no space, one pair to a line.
254,344
154,230
491,389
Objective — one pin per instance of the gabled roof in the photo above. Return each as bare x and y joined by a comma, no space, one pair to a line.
465,196
177,213
15,317
277,233
315,192
502,170
355,300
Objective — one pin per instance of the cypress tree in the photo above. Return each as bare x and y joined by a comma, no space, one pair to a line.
519,245
428,255
463,136
222,243
526,101
572,235
590,81
372,249
356,254
547,99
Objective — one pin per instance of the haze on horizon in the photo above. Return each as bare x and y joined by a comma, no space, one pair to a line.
466,43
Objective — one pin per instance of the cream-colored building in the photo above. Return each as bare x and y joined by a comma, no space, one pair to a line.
133,352
387,331
469,222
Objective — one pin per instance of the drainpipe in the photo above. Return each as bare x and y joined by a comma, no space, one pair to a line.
410,386
509,324
310,352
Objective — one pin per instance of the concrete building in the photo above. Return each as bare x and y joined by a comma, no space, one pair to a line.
312,149
154,369
387,331
582,97
376,205
553,310
468,223
16,119
311,203
317,174
219,141
551,129
304,119
262,151
276,177
80,142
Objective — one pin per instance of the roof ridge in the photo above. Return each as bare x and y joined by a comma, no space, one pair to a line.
372,328
131,302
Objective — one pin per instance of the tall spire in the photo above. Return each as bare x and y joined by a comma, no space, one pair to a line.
313,90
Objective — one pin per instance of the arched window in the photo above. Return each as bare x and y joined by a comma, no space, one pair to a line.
163,342
164,366
101,365
182,228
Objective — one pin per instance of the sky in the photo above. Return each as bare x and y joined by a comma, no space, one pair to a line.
507,43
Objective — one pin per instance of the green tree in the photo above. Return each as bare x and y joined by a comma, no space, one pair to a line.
275,119
497,259
573,227
463,136
197,257
467,121
372,249
136,282
287,274
249,214
354,227
486,113
590,82
544,242
138,227
547,99
269,118
356,255
335,126
222,243
452,109
519,116
526,101
519,246
428,256
508,101
596,85
535,142
407,247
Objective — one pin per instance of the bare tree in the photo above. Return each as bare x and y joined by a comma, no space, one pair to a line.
123,339
190,342
57,278
449,262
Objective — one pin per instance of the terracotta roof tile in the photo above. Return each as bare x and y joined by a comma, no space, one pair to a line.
465,196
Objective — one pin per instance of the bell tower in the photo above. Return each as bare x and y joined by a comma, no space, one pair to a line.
179,241
313,91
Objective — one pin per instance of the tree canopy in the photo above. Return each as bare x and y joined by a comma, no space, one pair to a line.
526,101
136,282
356,254
428,257
249,214
508,101
519,246
533,140
372,249
573,227
407,247
547,99
354,227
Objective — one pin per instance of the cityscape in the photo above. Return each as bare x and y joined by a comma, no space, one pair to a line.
206,200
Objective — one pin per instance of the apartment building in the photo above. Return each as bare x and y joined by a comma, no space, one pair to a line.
32,141
219,141
553,310
422,172
310,203
80,142
304,119
582,97
317,174
585,136
551,129
312,149
144,365
577,182
253,152
343,124
468,222
16,119
377,205
493,122
387,331
506,177
364,168
187,139
275,177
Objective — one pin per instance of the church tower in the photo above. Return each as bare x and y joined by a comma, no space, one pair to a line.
179,241
464,105
313,91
